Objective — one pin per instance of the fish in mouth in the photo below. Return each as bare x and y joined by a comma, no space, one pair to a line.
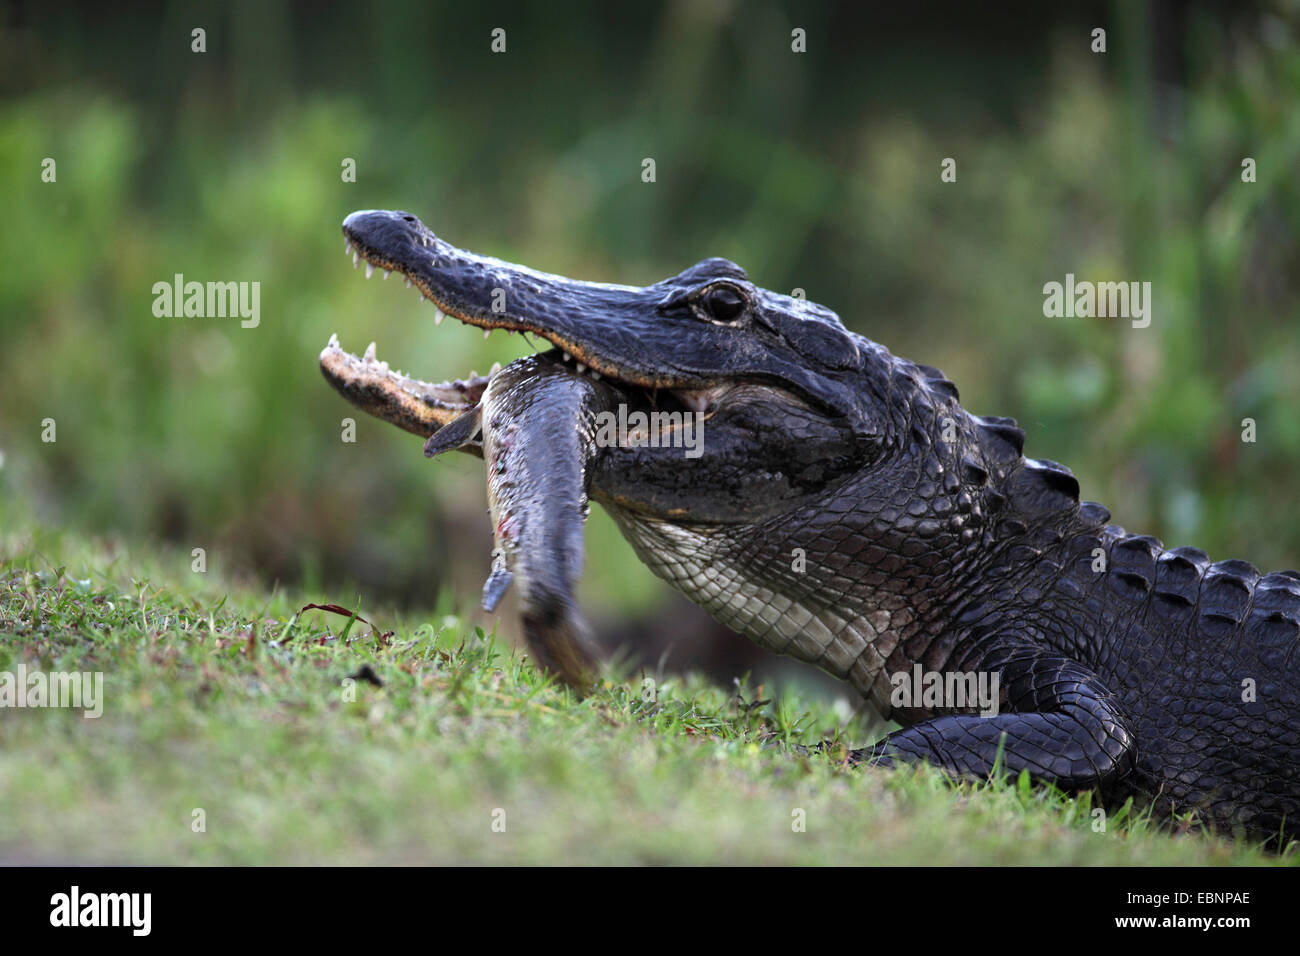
533,421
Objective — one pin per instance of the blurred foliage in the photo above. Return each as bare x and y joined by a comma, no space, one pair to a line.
818,170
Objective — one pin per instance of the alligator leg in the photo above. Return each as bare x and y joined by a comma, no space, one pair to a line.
1063,726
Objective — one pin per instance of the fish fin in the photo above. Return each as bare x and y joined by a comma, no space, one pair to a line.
458,433
496,585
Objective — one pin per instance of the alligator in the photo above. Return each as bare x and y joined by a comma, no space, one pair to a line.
846,510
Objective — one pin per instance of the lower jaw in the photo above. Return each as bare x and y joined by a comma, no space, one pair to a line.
421,407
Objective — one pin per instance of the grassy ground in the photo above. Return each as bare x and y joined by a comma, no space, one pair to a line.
230,735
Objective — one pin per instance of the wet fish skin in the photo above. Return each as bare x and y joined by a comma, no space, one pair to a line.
538,427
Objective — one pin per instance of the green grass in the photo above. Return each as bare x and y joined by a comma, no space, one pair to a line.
210,706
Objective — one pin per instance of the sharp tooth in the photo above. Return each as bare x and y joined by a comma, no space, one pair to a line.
355,256
438,317
496,367
370,270
347,246
387,273
581,368
408,283
370,352
486,333
334,341
595,374
568,357
696,399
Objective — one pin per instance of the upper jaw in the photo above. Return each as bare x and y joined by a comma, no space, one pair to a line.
615,331
601,327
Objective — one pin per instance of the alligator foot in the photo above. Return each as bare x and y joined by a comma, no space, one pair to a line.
1064,728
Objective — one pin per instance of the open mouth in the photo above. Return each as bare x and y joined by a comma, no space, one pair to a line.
411,404
422,407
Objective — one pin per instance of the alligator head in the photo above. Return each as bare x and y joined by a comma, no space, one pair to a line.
792,406
705,341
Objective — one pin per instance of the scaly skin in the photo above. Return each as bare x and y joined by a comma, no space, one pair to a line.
847,510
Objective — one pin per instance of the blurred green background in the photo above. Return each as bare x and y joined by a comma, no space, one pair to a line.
818,170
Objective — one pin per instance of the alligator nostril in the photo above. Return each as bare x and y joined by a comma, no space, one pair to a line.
409,218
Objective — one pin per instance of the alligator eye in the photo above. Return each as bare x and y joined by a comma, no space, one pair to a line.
724,303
